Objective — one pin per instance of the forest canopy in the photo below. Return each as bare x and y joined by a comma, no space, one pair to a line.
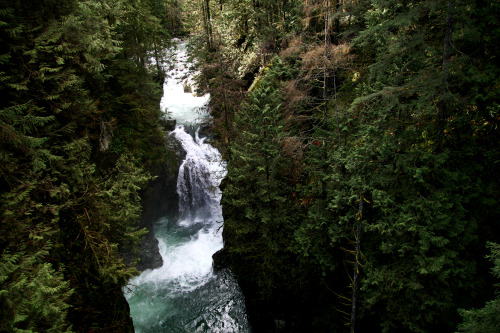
80,138
362,146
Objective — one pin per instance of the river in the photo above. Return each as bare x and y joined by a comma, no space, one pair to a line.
185,295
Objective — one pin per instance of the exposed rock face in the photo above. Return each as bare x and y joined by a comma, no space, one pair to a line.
149,255
206,131
159,200
220,260
167,124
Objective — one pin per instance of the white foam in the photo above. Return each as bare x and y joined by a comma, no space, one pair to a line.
179,105
165,297
186,266
200,175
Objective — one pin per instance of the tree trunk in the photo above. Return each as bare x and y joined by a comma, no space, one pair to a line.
208,23
283,10
336,103
356,263
326,60
157,57
444,75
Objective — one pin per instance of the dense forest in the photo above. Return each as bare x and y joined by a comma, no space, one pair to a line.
79,138
362,145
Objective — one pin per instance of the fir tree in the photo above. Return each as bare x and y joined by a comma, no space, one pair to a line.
486,319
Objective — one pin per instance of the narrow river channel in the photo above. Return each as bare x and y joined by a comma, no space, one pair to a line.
185,295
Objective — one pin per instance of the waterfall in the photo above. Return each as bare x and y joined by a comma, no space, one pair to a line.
199,177
185,295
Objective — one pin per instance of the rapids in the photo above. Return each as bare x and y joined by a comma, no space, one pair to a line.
185,295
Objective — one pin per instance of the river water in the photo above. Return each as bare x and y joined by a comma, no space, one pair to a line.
185,295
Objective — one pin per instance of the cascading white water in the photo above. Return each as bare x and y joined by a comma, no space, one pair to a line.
199,177
185,295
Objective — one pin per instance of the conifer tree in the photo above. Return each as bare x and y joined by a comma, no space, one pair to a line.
486,319
69,196
258,213
427,176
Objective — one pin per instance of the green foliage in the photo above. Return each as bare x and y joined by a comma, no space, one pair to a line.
255,189
69,200
33,296
486,319
385,113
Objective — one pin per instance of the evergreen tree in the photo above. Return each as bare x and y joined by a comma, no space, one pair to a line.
69,199
486,319
409,128
258,211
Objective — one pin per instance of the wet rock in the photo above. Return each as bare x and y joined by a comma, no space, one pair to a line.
167,124
159,200
187,88
206,131
220,260
149,257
